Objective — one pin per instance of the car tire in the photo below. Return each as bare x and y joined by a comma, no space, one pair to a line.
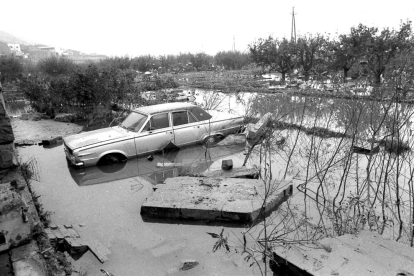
211,140
112,158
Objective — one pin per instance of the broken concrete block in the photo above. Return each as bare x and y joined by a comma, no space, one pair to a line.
8,158
255,130
227,164
241,172
6,131
216,199
169,165
56,141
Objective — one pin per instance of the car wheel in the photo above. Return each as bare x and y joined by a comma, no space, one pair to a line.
211,140
112,159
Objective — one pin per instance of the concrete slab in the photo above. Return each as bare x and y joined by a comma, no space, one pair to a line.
366,253
217,199
241,172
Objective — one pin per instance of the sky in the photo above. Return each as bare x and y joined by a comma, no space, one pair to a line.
162,27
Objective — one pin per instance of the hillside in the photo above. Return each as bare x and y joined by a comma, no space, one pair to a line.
8,38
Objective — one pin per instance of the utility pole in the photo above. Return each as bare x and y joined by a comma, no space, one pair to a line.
293,32
234,44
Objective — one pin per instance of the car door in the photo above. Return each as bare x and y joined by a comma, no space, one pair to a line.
155,135
186,128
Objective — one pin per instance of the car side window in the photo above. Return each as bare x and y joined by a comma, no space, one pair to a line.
180,118
159,121
200,114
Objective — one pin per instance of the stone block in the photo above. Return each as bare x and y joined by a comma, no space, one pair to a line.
6,131
8,157
253,131
227,164
215,199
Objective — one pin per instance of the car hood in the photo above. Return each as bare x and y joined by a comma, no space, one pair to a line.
96,136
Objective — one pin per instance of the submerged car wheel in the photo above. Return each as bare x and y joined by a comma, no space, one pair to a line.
113,158
212,140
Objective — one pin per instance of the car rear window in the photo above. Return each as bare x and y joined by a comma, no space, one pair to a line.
200,114
180,118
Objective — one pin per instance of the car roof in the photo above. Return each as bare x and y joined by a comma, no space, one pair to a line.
150,109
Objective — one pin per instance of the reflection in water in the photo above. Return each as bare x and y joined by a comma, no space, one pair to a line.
194,160
357,116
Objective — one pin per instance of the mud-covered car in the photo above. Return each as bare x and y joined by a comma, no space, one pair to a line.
150,129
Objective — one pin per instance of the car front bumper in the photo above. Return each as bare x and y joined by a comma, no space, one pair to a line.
72,158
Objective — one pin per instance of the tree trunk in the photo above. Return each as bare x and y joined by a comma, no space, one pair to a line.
345,74
306,73
377,79
283,76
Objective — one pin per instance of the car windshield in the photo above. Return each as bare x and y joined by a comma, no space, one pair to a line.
134,121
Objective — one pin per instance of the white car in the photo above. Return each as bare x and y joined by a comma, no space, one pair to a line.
150,129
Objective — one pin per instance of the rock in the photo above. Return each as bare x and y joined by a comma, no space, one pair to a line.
53,141
255,130
6,131
7,157
65,117
189,264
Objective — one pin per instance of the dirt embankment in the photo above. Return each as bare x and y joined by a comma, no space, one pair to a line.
36,131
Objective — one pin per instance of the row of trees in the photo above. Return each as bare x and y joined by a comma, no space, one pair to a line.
184,62
320,55
13,69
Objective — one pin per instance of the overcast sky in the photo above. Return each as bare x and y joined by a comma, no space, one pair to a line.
158,27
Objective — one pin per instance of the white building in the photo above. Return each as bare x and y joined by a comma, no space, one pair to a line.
15,48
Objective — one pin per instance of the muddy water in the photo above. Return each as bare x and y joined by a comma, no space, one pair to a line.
108,200
108,203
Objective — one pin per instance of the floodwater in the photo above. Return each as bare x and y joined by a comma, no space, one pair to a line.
107,200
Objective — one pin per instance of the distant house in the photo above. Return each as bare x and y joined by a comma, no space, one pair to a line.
15,49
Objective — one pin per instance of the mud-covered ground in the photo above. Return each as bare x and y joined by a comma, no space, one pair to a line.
26,131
